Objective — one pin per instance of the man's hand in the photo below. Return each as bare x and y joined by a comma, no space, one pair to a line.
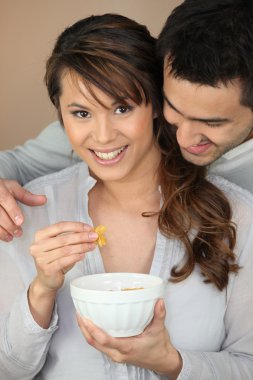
11,217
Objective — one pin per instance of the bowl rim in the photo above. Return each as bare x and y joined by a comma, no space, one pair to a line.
145,294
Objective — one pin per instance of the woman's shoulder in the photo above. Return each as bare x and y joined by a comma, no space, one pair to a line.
57,178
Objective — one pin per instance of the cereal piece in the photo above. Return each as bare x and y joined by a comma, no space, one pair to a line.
101,240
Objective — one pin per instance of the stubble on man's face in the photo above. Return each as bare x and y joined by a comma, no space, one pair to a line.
209,121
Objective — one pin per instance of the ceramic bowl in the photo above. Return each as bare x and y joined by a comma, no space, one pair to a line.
122,304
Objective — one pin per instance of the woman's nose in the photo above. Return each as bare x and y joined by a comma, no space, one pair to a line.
103,131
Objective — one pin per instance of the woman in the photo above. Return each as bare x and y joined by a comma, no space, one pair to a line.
162,216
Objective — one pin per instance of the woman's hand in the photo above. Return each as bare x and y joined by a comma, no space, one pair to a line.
56,249
152,349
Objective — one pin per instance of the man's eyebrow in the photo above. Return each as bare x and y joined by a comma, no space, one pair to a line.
203,120
171,105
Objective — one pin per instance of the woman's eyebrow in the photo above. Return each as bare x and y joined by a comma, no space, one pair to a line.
76,105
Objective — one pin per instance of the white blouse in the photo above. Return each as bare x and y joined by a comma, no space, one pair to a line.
213,330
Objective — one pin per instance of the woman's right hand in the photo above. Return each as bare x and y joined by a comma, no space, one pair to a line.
57,248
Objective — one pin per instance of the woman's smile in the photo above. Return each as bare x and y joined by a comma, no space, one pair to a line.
109,157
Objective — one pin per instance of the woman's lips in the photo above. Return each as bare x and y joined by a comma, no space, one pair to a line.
198,149
109,157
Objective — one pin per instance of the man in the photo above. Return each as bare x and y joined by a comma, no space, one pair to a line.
207,50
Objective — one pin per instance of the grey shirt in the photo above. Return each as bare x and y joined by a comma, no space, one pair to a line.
237,165
212,329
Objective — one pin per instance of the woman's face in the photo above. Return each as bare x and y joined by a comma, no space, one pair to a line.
115,140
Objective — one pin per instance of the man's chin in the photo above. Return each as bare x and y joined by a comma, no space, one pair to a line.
197,160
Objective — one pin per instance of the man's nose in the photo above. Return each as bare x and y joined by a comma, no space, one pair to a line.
187,134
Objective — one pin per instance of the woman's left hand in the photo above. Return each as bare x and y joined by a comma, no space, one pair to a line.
152,349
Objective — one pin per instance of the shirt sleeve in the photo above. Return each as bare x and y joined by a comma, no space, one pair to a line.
235,359
23,343
49,152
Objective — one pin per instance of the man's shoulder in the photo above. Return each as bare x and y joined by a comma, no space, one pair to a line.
230,188
236,165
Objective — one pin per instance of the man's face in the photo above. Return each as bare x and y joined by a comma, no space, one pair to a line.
209,121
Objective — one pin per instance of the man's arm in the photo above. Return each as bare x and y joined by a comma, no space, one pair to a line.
48,153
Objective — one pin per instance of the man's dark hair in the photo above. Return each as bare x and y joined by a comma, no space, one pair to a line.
210,42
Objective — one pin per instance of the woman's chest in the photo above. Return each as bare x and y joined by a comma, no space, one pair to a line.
195,314
130,241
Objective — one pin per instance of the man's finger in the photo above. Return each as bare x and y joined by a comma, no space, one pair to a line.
9,205
10,193
30,199
24,196
8,227
5,235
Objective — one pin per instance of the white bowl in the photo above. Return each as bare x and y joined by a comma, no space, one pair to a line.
107,302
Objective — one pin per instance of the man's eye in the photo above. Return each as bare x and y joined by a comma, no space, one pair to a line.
122,109
81,114
213,125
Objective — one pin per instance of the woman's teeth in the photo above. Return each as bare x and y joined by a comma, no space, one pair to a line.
109,155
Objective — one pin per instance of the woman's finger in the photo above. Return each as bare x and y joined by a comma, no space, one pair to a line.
47,257
64,240
61,228
62,265
117,349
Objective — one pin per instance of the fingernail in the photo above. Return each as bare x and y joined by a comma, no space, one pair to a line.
93,235
18,220
162,306
85,322
8,238
18,233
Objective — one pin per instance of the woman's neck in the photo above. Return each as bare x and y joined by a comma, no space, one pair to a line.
141,185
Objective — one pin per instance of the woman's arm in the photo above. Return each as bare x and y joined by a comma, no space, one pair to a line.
23,343
26,331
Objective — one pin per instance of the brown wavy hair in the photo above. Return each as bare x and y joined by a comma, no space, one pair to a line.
196,212
117,55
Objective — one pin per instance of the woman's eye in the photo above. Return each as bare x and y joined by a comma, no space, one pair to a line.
81,114
122,109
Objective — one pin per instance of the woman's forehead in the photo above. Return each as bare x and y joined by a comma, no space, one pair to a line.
118,88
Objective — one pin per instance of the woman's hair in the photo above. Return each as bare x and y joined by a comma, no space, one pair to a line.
196,212
111,52
117,55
